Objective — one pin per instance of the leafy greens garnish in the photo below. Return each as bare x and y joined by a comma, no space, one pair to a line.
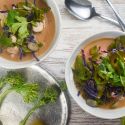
21,27
5,41
18,27
11,17
50,96
17,82
81,73
102,78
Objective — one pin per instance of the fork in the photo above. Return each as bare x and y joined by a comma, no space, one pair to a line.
120,20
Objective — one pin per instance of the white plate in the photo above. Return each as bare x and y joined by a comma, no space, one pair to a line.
14,109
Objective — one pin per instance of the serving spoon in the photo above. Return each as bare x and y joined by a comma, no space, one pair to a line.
83,10
120,20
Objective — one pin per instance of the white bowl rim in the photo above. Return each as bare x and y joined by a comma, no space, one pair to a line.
98,112
17,65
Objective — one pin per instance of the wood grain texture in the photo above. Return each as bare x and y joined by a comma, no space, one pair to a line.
73,32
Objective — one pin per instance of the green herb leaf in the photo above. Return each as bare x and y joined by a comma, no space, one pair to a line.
11,17
50,95
15,27
21,27
81,73
122,78
63,85
29,91
116,79
20,19
121,66
5,41
94,52
17,82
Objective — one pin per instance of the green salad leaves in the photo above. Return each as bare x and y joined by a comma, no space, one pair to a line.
81,73
11,17
101,76
21,26
5,41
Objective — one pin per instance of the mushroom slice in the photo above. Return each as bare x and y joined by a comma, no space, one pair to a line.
33,46
13,50
13,38
38,27
91,102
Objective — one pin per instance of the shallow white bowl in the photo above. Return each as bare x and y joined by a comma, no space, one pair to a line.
15,65
98,112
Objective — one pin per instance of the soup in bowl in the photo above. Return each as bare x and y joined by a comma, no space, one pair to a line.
29,31
95,75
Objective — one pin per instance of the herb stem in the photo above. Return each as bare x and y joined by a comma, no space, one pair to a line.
21,53
33,53
4,94
30,112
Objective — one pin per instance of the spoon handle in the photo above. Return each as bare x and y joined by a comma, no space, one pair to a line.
120,20
109,19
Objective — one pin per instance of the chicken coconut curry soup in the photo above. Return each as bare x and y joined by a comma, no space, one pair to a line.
99,73
27,29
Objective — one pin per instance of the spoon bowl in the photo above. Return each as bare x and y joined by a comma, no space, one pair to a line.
79,9
83,10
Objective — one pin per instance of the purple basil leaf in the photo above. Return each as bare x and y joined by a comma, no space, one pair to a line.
5,28
30,17
21,53
3,11
31,38
90,93
83,57
90,89
78,93
37,59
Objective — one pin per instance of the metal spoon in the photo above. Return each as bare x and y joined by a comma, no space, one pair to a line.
120,20
82,9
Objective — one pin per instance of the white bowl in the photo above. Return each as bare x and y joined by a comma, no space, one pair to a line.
98,112
15,65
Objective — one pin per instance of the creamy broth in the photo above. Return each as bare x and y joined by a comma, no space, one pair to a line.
37,122
104,43
46,36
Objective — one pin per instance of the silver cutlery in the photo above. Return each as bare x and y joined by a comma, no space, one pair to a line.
83,10
120,20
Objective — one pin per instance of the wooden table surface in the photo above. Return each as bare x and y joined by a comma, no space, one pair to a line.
73,32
